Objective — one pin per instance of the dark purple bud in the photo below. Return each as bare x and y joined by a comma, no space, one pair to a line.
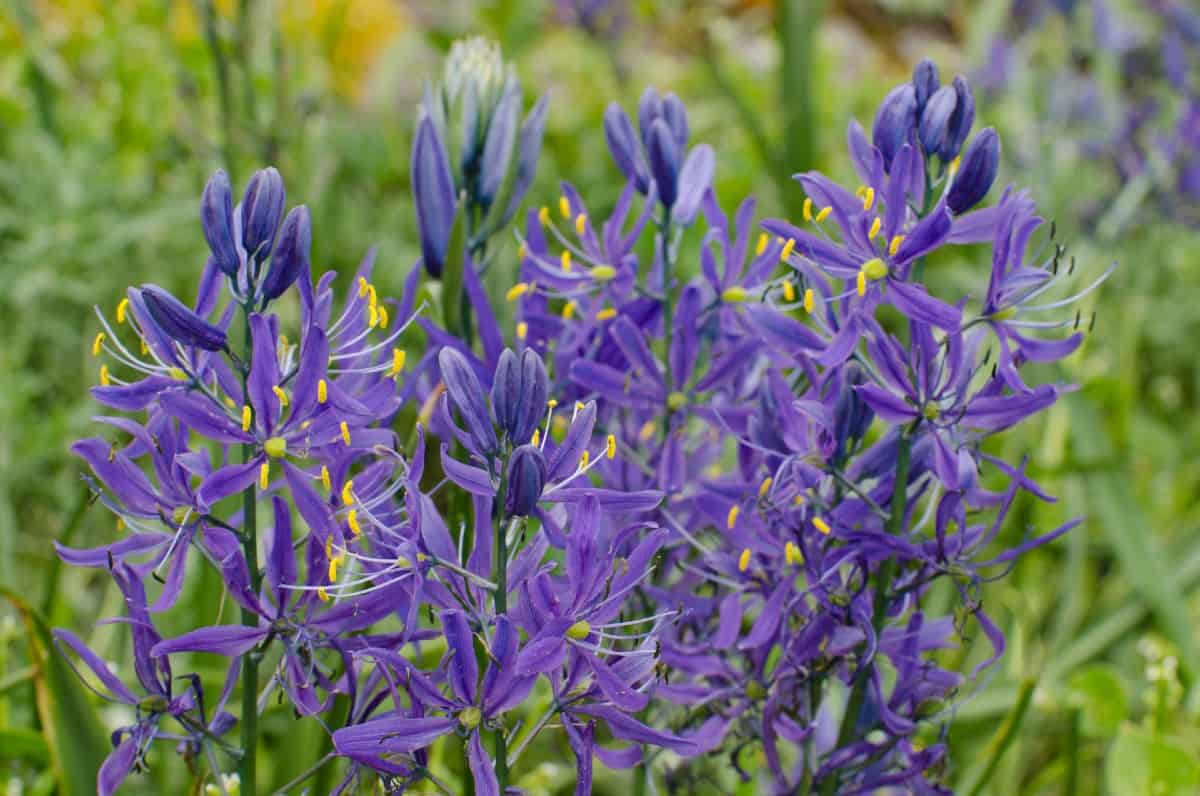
961,120
262,207
529,148
467,395
675,115
433,194
935,120
519,391
624,146
650,108
292,255
925,82
498,148
177,321
894,121
694,179
977,172
664,158
526,477
216,217
852,416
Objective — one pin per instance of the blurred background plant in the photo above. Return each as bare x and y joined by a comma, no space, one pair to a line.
112,114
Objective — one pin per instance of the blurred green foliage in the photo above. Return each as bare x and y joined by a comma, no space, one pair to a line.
112,114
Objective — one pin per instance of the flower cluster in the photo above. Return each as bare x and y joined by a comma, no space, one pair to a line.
694,507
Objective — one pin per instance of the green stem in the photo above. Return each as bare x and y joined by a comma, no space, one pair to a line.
1003,738
883,579
501,603
797,26
221,68
247,769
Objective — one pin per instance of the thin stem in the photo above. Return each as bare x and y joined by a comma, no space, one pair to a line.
858,691
247,769
221,68
1004,737
500,595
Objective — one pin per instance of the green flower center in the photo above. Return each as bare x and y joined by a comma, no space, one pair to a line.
275,447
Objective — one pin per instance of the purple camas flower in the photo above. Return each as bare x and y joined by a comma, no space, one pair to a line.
697,508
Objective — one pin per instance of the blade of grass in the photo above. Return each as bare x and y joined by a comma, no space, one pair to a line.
982,774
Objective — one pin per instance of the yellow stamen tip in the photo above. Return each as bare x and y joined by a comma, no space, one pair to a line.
761,246
281,395
322,391
325,482
564,207
646,432
808,206
894,246
789,246
516,291
522,330
322,594
264,475
876,225
580,224
792,554
568,311
821,525
789,290
544,216
348,493
823,214
104,377
765,486
345,429
383,317
522,251
584,459
399,356
744,560
372,316
536,438
97,343
732,518
565,260
860,284
810,300
352,521
606,314
610,446
122,310
362,287
552,403
868,198
247,416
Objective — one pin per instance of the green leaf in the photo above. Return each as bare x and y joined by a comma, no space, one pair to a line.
1100,694
76,742
1144,560
452,274
21,743
1140,762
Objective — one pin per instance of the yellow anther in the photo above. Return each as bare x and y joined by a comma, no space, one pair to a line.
333,568
264,475
810,300
564,207
734,295
761,246
96,343
305,424
954,165
860,283
372,296
894,246
232,404
372,316
646,432
732,518
789,290
281,395
544,216
579,406
522,251
744,560
104,377
144,348
348,492
283,342
798,500
536,438
874,269
322,391
399,355
522,330
604,273
568,311
789,246
275,447
328,547
122,310
362,287
868,198
823,214
808,205
580,630
585,459
345,429
352,521
564,259
552,403
606,314
516,291
792,554
610,446
765,486
120,524
876,225
383,316
321,593
247,416
325,482
580,224
676,401
821,525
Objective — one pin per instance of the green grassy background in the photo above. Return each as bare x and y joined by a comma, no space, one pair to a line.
112,116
